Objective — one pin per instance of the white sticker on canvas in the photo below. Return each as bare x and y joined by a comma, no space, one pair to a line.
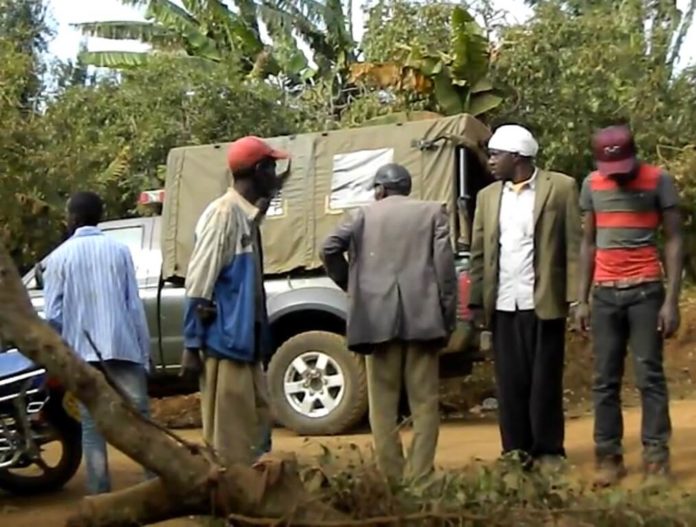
353,176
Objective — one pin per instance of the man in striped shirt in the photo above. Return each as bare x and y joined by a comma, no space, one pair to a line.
624,203
90,289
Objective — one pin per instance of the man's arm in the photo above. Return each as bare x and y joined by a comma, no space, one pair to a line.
334,249
210,254
476,257
54,283
588,243
668,199
443,258
573,224
587,257
674,253
136,310
674,245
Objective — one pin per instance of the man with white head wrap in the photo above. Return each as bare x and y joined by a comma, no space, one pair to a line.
524,255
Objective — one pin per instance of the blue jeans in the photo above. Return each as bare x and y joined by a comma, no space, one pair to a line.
131,378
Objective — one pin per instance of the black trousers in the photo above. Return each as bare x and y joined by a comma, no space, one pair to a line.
529,355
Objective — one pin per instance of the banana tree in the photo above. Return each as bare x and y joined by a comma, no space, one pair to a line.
203,30
210,31
456,80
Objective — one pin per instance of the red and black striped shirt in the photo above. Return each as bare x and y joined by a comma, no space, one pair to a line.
627,218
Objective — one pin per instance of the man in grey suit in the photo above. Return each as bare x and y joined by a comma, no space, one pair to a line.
402,287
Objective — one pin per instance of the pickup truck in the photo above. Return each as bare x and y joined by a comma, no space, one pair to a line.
317,386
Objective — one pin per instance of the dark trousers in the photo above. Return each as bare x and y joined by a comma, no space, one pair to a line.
529,355
621,319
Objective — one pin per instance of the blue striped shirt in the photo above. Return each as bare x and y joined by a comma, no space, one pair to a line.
90,285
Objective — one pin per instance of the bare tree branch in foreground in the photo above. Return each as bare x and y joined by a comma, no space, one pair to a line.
190,481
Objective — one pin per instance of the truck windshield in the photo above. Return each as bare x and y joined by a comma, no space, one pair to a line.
132,237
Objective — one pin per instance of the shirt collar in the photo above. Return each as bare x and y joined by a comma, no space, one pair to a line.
531,182
87,231
251,211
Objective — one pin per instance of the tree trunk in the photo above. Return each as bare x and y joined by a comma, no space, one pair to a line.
190,481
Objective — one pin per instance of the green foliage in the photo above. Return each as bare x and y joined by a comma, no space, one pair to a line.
452,80
392,23
681,162
217,32
569,73
500,494
112,136
322,25
571,68
23,34
205,30
24,29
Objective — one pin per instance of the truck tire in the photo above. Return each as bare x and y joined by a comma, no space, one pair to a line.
317,386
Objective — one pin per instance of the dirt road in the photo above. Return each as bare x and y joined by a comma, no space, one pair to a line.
460,442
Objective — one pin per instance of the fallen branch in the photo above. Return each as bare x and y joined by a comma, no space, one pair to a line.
192,447
366,522
188,480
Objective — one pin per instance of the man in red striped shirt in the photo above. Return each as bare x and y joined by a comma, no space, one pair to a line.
624,203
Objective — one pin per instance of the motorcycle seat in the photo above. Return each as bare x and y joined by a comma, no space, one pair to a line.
13,367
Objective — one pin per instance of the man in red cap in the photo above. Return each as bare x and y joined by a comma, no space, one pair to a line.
624,202
226,325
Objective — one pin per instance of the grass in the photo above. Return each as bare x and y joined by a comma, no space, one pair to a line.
501,494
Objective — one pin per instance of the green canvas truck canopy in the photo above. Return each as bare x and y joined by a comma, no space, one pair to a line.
331,173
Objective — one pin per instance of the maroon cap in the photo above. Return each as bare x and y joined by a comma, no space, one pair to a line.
249,150
614,150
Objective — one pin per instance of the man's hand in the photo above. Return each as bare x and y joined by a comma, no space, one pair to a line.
262,204
191,365
283,176
581,316
206,313
668,319
478,318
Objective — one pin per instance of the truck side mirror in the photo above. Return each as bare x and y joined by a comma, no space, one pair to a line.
38,276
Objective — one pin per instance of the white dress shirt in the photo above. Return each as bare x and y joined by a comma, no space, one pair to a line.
516,271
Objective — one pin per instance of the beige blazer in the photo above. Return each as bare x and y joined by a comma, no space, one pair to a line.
557,236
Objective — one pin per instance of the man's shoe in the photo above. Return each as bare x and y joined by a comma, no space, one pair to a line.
514,461
551,466
609,472
656,474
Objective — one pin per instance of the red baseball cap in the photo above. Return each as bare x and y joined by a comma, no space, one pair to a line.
614,150
247,151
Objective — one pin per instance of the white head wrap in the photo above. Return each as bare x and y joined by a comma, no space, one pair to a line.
514,139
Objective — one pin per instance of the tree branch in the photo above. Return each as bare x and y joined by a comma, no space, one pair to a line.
188,480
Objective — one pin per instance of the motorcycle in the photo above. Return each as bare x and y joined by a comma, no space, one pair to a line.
37,417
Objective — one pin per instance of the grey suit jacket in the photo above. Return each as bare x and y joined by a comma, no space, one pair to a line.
401,280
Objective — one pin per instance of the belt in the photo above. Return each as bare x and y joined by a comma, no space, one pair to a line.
627,283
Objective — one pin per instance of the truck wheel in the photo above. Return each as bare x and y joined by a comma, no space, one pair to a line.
317,386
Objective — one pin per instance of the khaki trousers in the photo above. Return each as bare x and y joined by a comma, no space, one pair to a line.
234,408
388,367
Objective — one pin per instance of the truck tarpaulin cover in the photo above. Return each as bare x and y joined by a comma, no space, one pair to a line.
331,173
